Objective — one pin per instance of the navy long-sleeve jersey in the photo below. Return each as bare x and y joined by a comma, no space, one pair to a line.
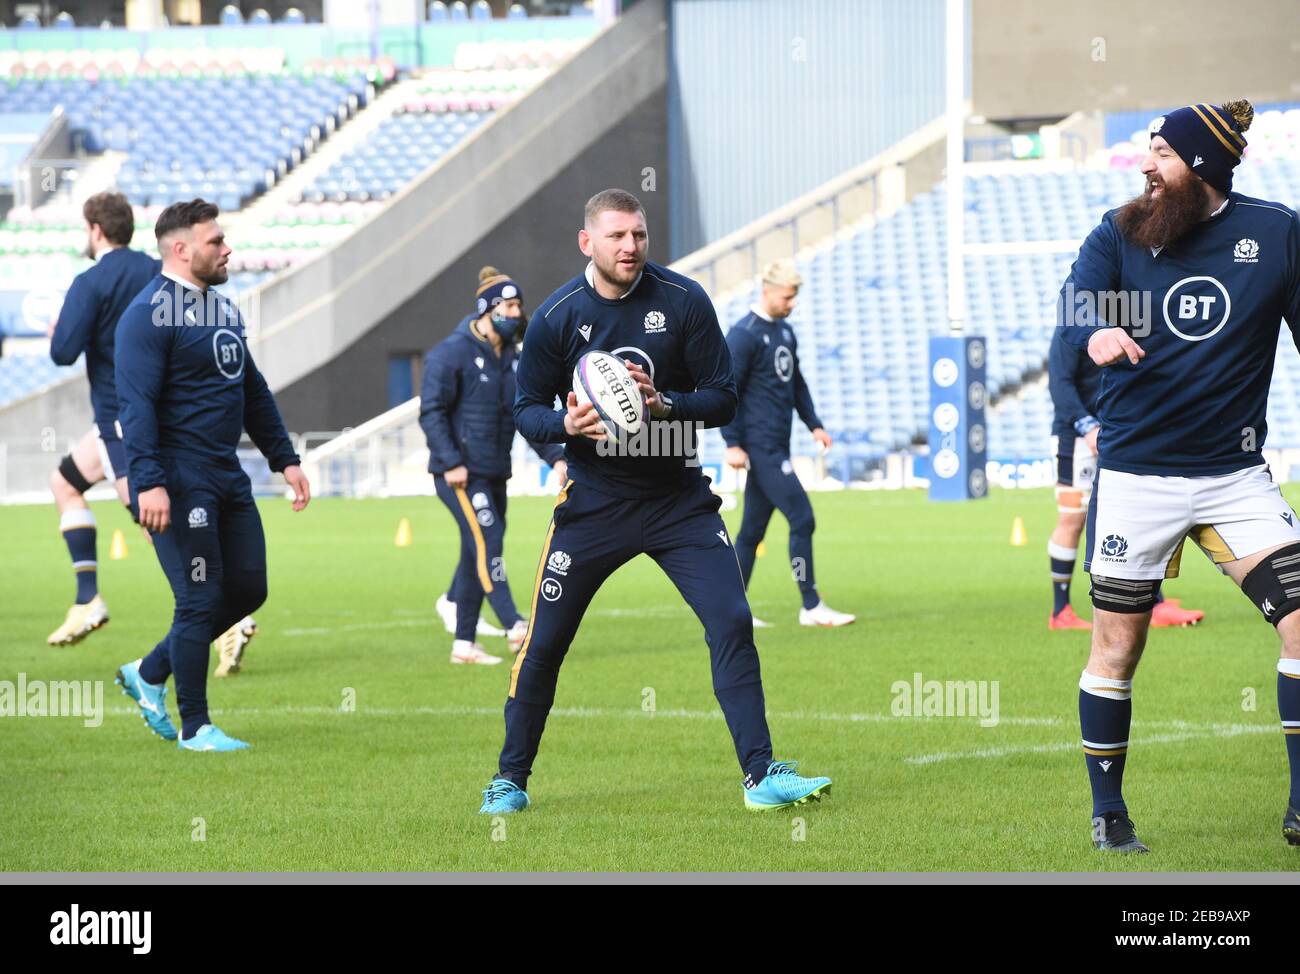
1073,381
667,325
769,382
467,398
88,321
1196,404
187,387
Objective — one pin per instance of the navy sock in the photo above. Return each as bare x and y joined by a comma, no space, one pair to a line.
1105,712
1062,570
78,527
1288,708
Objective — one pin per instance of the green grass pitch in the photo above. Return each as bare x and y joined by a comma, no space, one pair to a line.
395,784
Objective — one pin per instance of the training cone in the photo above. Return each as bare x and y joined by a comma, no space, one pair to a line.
1018,537
403,539
761,550
118,549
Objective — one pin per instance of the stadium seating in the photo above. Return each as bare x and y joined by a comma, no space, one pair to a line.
175,150
869,305
871,301
403,147
21,375
1067,206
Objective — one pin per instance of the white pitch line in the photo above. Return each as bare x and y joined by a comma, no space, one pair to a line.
437,622
356,626
1214,730
1182,729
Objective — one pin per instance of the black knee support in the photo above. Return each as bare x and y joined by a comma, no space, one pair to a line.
1129,595
1274,584
68,470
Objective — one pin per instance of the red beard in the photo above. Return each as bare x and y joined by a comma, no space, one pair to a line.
1157,222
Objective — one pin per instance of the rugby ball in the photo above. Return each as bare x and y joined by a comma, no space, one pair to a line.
604,381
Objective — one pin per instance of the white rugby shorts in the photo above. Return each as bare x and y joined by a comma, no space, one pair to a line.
1073,495
1137,523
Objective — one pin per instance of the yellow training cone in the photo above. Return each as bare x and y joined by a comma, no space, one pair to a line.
1018,536
761,550
118,549
403,539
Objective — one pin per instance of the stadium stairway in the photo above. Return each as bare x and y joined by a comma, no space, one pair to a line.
348,137
303,319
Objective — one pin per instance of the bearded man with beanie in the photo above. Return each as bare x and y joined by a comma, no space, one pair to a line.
1182,404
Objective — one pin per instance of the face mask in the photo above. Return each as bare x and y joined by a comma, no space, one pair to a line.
508,328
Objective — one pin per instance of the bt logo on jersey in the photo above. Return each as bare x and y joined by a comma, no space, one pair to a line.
228,351
1197,308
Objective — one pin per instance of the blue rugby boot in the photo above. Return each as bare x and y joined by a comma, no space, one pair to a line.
211,738
152,699
783,788
502,797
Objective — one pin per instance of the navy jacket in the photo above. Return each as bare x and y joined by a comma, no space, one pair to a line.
765,356
187,387
1073,381
1195,405
466,398
88,322
667,325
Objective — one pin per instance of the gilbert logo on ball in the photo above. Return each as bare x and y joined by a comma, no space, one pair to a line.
604,381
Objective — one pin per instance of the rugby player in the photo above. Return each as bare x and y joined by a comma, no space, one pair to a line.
188,388
1073,381
765,358
1182,410
616,507
86,325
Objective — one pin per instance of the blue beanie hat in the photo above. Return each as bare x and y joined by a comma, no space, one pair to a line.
493,288
1208,138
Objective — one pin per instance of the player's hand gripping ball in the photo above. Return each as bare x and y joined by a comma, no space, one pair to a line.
604,381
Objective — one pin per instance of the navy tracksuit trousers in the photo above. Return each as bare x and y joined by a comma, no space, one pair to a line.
480,512
772,485
214,557
591,535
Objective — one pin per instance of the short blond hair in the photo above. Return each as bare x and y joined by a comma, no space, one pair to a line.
782,273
